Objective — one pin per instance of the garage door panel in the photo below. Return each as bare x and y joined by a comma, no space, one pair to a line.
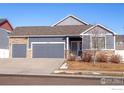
48,50
19,50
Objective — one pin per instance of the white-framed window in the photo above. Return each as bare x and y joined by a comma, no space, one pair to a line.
98,42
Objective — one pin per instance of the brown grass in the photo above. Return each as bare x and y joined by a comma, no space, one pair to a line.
73,65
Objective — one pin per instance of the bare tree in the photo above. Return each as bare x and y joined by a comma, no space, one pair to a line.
97,42
94,44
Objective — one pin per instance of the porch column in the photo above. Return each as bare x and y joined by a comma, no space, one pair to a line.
67,47
67,40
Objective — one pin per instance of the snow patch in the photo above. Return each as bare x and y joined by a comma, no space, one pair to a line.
64,66
4,53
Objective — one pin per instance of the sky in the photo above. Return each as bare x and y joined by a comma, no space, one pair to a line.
39,14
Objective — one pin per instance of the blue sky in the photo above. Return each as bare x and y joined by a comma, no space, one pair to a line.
110,15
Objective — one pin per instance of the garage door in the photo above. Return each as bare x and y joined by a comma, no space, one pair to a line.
19,50
48,50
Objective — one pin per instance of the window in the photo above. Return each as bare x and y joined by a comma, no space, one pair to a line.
98,42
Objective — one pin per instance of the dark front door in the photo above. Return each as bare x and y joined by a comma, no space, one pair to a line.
76,47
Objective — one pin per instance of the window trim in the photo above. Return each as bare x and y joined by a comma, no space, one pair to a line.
98,48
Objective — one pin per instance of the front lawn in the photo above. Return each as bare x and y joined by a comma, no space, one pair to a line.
85,66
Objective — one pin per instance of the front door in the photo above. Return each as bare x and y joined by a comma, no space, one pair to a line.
76,47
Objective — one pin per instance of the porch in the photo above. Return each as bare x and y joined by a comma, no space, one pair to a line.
73,46
77,44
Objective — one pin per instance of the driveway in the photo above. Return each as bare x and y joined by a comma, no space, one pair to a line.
29,66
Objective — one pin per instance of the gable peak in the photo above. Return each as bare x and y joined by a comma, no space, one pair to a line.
70,20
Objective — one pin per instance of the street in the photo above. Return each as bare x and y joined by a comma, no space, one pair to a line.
49,80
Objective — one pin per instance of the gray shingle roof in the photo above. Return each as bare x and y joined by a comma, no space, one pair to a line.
48,30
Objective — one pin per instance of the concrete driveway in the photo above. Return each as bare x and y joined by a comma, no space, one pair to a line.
29,66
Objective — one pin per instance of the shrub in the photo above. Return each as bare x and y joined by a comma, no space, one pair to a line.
78,59
101,57
71,57
115,58
87,56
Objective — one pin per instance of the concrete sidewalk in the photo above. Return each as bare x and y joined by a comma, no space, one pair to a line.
92,73
29,66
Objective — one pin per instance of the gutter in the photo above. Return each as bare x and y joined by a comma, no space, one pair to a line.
46,36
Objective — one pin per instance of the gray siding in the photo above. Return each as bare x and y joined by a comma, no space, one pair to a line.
98,30
45,39
109,42
18,50
86,42
4,39
48,51
70,21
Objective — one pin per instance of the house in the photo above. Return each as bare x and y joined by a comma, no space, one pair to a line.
5,30
120,45
69,35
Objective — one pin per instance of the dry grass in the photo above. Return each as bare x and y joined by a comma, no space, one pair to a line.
73,65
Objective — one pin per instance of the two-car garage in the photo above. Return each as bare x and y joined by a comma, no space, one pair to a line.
39,50
47,50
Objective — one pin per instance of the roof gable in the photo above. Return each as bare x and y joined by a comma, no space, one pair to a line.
4,24
101,26
2,21
70,20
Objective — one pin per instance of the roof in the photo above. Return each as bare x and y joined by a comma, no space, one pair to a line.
120,38
2,21
48,30
8,27
99,26
70,16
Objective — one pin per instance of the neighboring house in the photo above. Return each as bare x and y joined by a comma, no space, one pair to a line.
120,45
5,30
69,35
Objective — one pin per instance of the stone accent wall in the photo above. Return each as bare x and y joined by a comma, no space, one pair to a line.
19,40
29,53
66,54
